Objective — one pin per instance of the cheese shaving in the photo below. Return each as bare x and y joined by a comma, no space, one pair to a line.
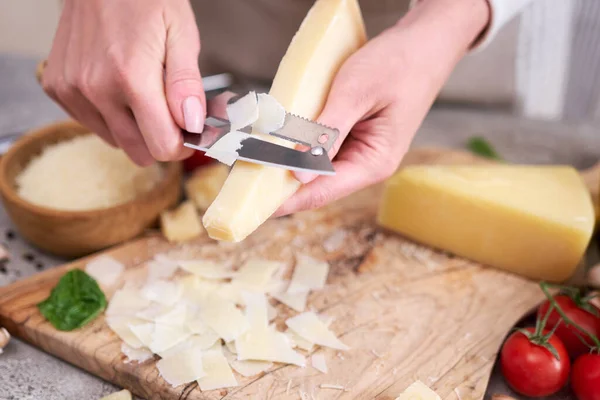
138,355
206,269
418,391
170,315
183,367
309,274
267,344
202,342
144,332
163,292
224,318
256,309
296,301
271,114
166,336
225,150
218,372
106,270
331,386
310,327
244,112
160,269
299,341
126,302
318,362
120,326
256,274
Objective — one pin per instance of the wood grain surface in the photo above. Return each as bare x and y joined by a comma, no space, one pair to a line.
408,312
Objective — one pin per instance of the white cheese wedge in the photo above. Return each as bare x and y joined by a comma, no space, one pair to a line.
224,318
163,292
120,326
121,395
144,332
126,302
267,344
330,33
166,336
318,362
294,300
418,391
310,327
255,274
105,270
218,372
206,269
136,355
183,367
243,112
202,342
271,114
225,150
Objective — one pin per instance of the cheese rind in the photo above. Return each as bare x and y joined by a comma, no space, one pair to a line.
533,221
329,34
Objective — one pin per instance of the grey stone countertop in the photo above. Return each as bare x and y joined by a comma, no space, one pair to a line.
27,373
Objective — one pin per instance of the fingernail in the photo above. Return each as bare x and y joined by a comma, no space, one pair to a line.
193,115
305,177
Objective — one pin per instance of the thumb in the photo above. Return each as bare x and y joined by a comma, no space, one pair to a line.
183,82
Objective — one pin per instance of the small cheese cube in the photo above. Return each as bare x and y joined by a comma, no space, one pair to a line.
181,224
531,220
205,183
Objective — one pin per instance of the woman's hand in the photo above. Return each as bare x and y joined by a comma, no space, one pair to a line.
128,70
383,92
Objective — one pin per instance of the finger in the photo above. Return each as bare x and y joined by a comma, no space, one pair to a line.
357,167
128,137
350,100
184,90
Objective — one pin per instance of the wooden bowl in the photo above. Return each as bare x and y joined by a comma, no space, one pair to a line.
78,233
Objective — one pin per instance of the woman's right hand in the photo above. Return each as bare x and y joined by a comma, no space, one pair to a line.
128,70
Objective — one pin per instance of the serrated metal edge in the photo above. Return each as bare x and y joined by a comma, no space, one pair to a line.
313,122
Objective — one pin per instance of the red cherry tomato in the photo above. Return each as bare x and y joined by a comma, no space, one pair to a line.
532,370
196,160
585,378
567,333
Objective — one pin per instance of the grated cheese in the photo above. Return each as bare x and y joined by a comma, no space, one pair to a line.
84,173
310,327
104,269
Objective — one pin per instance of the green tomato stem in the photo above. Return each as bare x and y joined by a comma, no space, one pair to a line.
544,286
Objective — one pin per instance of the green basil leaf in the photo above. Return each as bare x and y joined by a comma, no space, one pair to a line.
74,302
481,147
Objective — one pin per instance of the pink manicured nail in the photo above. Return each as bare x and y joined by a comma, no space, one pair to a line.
193,115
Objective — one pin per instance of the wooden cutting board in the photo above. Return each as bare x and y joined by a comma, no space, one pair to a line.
407,312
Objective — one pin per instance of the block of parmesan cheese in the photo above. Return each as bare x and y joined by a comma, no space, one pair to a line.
204,184
329,34
531,220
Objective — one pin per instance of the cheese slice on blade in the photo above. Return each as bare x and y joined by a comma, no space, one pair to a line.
329,34
531,220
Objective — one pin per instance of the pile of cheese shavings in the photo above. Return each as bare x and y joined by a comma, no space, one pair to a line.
206,320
